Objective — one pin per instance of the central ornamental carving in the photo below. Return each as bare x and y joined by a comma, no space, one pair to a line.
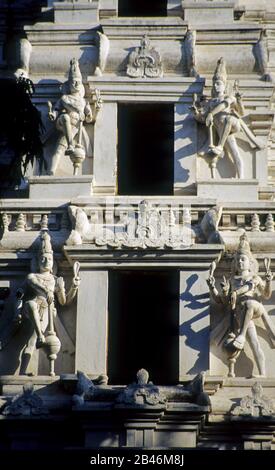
144,61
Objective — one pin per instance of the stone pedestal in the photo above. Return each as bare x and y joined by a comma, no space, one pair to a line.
67,12
212,12
52,187
228,190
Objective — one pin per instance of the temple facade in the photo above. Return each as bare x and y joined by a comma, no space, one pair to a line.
137,294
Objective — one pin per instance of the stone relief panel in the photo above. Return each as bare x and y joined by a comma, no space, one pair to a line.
30,322
144,61
222,116
28,403
145,225
244,332
70,116
255,405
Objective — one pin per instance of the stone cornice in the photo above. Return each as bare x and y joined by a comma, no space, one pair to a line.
197,257
158,89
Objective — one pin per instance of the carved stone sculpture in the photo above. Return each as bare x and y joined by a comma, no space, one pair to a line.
84,389
18,56
222,116
147,226
209,225
261,53
144,61
70,113
241,295
190,49
103,45
37,303
28,403
142,392
255,405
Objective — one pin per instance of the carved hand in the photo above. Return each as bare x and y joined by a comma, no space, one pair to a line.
50,298
76,278
225,285
98,99
238,96
209,120
268,276
51,113
268,273
60,283
211,282
76,282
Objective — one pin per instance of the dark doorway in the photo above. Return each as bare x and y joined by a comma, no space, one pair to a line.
142,7
145,149
143,326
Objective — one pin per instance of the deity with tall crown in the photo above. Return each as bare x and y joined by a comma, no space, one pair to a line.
70,112
241,295
38,302
222,114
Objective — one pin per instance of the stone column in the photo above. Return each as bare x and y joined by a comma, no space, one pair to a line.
194,320
261,167
91,326
105,150
185,150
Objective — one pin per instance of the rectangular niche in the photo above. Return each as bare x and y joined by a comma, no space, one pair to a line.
145,149
143,329
142,7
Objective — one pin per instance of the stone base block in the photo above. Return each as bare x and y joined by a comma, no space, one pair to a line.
214,12
82,12
228,190
52,187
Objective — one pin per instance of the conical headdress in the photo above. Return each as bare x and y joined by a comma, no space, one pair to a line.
244,246
45,244
220,72
74,72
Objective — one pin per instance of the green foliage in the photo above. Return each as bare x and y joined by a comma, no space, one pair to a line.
20,129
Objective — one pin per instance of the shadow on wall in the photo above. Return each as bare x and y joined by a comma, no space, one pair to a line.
196,339
185,141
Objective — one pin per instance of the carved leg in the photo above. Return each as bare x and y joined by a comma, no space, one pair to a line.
231,363
256,348
225,132
232,146
231,367
240,339
64,123
58,154
27,354
33,313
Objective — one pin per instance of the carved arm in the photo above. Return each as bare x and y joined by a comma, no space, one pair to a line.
60,287
97,105
60,290
238,97
34,282
220,107
267,290
213,290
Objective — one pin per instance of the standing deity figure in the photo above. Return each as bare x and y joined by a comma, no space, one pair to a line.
38,299
70,112
223,113
241,296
